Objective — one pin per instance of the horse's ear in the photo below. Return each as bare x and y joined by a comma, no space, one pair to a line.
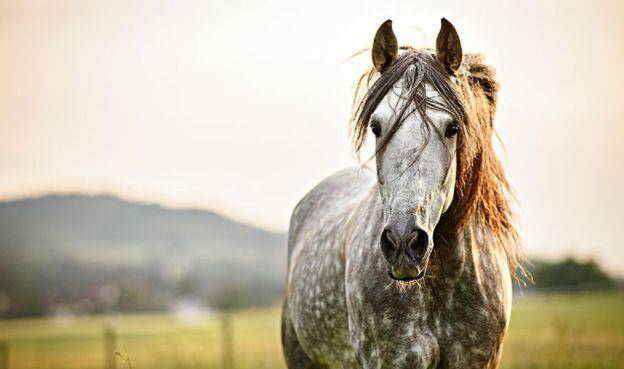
385,47
448,47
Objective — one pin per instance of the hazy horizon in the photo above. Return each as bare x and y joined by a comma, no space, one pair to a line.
241,108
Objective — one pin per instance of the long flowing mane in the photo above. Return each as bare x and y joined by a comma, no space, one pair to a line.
482,192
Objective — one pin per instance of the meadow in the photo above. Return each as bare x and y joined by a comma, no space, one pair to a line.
581,330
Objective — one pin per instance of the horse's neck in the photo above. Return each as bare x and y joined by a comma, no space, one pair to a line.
461,260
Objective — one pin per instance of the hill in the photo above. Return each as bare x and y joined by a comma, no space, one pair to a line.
93,253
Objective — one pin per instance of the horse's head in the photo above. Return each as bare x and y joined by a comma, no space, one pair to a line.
416,116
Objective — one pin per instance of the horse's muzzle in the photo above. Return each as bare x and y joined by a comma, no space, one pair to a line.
406,254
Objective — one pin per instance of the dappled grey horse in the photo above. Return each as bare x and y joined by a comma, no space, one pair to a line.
410,265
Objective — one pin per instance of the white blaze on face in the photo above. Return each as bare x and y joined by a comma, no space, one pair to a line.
417,169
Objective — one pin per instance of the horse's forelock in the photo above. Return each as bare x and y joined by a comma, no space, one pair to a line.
419,67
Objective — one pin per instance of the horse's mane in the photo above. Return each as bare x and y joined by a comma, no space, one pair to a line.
482,192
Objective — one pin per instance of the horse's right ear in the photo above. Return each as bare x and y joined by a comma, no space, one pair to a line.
448,47
385,47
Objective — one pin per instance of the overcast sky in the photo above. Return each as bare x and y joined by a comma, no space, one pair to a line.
242,107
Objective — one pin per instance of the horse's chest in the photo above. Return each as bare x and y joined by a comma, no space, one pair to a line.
393,345
460,328
386,334
417,337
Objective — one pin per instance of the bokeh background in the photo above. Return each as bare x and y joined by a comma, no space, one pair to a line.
151,153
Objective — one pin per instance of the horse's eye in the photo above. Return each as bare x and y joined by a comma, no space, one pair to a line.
375,128
452,130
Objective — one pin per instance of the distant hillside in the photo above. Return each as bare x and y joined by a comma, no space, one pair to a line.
110,254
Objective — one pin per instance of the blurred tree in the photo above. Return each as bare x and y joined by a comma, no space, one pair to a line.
231,297
569,274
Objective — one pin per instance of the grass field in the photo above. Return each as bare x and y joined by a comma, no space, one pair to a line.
547,331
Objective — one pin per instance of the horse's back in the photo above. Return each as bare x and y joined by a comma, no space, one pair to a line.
316,301
329,203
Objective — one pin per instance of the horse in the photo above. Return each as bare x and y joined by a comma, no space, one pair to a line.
409,265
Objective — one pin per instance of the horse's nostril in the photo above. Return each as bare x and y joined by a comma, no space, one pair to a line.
417,243
413,244
389,244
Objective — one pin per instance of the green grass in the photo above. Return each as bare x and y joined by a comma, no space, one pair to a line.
584,330
554,331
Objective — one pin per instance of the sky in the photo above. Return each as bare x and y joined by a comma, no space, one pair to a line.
242,107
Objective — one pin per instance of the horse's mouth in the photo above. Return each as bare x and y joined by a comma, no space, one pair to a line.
420,274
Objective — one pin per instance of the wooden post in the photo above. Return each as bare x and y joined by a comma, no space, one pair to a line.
110,345
227,350
4,354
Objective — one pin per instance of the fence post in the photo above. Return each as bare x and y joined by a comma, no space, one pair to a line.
110,344
4,354
227,350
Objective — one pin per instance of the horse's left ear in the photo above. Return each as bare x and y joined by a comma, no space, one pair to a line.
385,47
448,47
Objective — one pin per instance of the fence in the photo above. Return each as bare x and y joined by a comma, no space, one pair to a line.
110,348
112,355
4,355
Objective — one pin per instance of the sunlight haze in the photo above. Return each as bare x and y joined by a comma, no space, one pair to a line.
243,107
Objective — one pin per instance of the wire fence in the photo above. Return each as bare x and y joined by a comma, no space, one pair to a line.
115,357
4,354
